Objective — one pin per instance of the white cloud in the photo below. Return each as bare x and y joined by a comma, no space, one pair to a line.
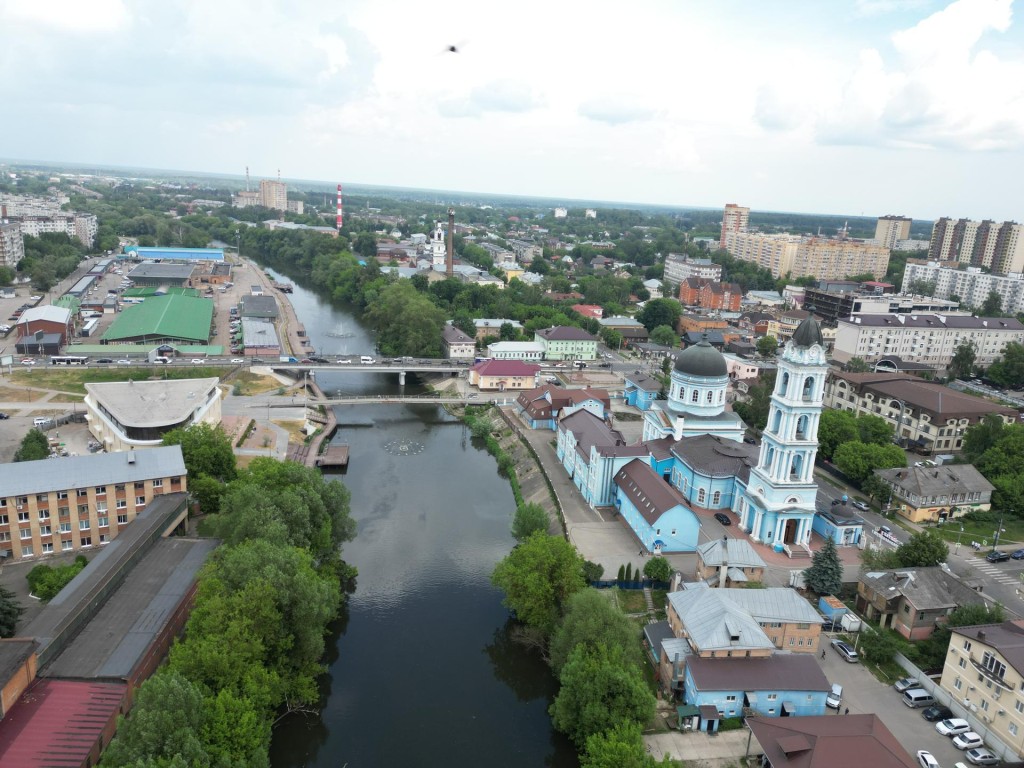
67,16
616,109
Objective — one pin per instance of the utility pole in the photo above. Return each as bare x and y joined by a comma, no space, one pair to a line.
995,536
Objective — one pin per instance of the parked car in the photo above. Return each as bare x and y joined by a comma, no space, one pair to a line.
953,726
749,441
861,506
968,740
995,556
905,684
981,756
1018,554
926,760
846,651
828,625
723,518
936,712
834,697
3,416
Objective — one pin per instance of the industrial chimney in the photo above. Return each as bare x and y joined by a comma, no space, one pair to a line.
450,251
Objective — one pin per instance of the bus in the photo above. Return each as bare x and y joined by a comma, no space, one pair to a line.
69,360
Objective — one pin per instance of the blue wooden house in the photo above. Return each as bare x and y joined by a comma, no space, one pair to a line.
655,510
641,390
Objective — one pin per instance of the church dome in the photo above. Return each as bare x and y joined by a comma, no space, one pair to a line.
702,360
808,333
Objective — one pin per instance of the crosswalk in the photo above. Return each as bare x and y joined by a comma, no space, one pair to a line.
996,574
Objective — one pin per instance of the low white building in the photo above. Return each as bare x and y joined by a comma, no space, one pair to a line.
516,350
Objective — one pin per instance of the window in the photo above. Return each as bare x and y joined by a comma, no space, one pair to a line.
730,698
5,535
101,490
103,522
963,663
121,503
42,498
65,527
66,546
140,501
773,696
27,551
83,525
44,514
4,520
45,530
83,510
63,511
122,519
25,533
81,493
958,684
716,498
1012,728
710,397
984,704
23,517
995,667
700,496
694,397
62,494
119,487
967,645
1019,706
87,541
47,547
158,483
140,486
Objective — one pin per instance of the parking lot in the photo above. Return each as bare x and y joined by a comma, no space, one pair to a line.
863,694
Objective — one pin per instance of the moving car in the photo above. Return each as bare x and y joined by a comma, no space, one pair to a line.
124,362
723,518
28,361
936,712
995,556
846,651
905,684
343,360
981,756
3,416
926,760
968,740
104,360
1018,555
861,506
197,361
953,726
237,360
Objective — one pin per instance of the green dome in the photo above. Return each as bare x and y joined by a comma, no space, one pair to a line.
701,360
808,333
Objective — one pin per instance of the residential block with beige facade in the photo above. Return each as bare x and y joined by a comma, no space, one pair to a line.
824,258
63,505
1000,247
984,673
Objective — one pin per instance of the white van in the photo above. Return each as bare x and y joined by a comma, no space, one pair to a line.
39,421
367,360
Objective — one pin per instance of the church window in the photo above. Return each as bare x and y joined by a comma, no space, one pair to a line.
694,397
792,500
784,384
716,498
710,396
808,388
701,496
721,394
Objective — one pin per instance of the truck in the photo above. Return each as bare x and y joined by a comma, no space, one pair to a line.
849,622
287,359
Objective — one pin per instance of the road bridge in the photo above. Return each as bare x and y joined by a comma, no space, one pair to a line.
470,399
298,370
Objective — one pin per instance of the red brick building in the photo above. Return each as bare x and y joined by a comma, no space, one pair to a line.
708,294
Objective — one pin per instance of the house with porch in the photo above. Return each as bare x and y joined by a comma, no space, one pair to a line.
541,408
640,390
654,510
913,601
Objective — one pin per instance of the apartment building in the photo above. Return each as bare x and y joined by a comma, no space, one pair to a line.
679,267
998,246
984,673
971,285
889,229
735,218
708,294
274,194
925,416
931,339
824,258
565,342
830,306
67,504
12,244
83,226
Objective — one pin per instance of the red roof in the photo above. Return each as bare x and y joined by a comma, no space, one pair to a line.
589,310
57,723
505,368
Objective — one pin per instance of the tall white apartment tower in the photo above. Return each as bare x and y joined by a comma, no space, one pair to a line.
889,229
735,218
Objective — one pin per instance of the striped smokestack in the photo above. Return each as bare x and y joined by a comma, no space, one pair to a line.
340,217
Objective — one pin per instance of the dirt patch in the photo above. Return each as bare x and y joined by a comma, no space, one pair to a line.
261,437
233,426
19,395
293,427
74,381
243,462
248,383
64,397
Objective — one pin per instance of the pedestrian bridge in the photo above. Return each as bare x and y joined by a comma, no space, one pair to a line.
497,398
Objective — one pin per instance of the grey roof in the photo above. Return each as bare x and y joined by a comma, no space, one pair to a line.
619,320
932,320
151,270
30,477
808,333
714,621
263,306
565,333
716,456
454,335
1007,638
944,480
590,432
779,672
924,588
701,360
259,333
731,552
490,322
47,313
643,381
152,403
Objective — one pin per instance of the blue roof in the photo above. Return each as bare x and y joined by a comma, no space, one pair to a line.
178,254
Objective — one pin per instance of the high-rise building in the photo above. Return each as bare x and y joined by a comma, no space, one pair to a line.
971,285
889,229
735,218
999,247
823,258
12,244
274,194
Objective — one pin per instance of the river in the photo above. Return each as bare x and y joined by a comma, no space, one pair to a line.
421,670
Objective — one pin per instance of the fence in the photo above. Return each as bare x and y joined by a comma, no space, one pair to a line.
642,584
58,421
968,712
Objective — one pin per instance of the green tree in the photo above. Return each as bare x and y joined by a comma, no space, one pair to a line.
874,429
622,746
858,460
835,428
923,549
982,436
825,576
962,364
665,335
877,646
538,577
1008,370
10,611
406,321
592,571
992,306
931,652
754,410
857,365
660,312
530,518
592,619
6,275
234,732
599,690
207,491
34,446
657,569
874,487
206,449
508,332
165,724
767,346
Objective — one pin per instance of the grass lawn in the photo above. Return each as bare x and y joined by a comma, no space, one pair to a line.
64,397
74,381
977,531
18,395
249,383
631,600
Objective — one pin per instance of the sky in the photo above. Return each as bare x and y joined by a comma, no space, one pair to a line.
862,107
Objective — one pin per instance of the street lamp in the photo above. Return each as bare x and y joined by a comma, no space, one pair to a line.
957,550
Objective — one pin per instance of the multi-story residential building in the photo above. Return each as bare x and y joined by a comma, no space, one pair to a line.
971,285
274,194
84,226
937,494
735,218
80,501
824,258
707,294
12,244
565,342
984,673
296,206
486,326
931,339
457,345
911,245
1000,247
503,375
889,229
678,267
925,415
830,306
912,601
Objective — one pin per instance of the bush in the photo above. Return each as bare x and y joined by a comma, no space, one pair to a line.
657,569
45,581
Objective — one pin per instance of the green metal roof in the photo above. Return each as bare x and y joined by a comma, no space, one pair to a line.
140,350
150,290
164,317
68,302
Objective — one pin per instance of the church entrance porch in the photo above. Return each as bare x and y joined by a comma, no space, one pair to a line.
789,533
